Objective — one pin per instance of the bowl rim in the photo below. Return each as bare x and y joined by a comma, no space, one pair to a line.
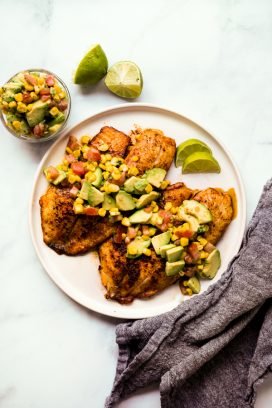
30,139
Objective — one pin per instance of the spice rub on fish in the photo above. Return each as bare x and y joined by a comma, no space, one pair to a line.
126,279
116,141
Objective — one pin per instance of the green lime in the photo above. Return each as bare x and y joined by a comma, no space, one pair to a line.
92,67
125,79
188,147
200,162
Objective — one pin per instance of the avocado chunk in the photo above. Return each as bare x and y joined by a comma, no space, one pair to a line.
57,120
109,202
159,240
12,117
8,96
37,113
140,186
136,247
84,192
194,284
95,196
165,248
99,177
156,219
194,224
55,128
198,210
211,265
155,176
129,184
24,129
173,268
14,87
146,199
174,254
124,201
140,217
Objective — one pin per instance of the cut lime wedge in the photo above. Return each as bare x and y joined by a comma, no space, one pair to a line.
188,147
92,67
200,162
125,79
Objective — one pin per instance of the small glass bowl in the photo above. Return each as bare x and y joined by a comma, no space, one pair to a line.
51,136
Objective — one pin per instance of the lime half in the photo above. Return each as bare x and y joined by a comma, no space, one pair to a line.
200,162
125,79
92,67
188,147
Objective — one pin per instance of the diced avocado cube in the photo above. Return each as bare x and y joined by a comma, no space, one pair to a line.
55,128
14,87
159,240
173,268
156,219
194,284
99,177
146,199
109,202
136,247
174,254
84,192
24,129
58,119
140,217
11,117
129,184
95,197
124,201
8,96
211,265
60,178
165,248
155,176
198,210
140,186
37,113
194,224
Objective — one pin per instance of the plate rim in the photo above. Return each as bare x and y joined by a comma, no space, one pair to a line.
126,313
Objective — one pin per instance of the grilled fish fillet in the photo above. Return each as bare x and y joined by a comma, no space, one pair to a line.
220,205
153,149
116,140
176,194
65,232
126,279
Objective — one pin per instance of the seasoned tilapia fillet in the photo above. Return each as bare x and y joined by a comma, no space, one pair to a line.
176,194
220,205
152,149
66,232
126,279
116,140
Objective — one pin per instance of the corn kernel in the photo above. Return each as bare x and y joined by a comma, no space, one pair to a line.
56,98
85,139
202,241
155,208
200,267
68,150
174,210
76,153
123,235
113,188
16,124
103,158
126,222
145,237
133,171
123,167
41,81
33,96
108,157
57,88
90,176
152,231
159,221
135,158
29,106
168,206
12,104
37,89
21,107
184,241
148,188
185,283
105,175
79,200
18,97
204,255
102,166
109,167
62,95
132,250
139,233
54,111
147,252
103,147
78,208
114,209
189,291
72,178
29,87
164,184
102,212
4,103
116,176
174,237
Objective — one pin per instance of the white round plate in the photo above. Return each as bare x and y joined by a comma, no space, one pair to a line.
78,276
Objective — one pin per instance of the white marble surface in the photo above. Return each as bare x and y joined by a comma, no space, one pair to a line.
209,59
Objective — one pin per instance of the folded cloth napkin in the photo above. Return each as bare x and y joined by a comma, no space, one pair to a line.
214,349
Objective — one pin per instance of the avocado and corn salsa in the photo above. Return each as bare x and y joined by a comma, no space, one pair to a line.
34,104
103,185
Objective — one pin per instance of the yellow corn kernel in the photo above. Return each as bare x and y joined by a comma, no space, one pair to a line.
62,95
103,188
85,139
108,157
132,250
109,167
116,176
204,255
152,231
18,97
41,81
12,104
54,111
90,176
105,175
4,103
126,222
103,159
29,106
33,96
79,200
84,148
184,241
189,291
76,153
174,237
168,206
200,267
103,147
124,235
155,208
145,237
21,107
123,167
102,212
57,88
68,150
78,209
185,283
133,171
114,209
1,91
113,188
147,252
135,158
72,178
174,210
164,184
90,167
16,124
37,89
56,98
202,241
148,188
29,87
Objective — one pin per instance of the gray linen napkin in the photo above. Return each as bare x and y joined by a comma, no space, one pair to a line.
214,349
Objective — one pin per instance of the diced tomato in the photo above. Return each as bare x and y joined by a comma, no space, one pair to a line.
120,181
90,211
45,97
70,158
50,81
93,154
62,105
167,216
193,251
78,168
52,173
163,227
131,232
30,79
73,143
27,97
148,209
184,234
45,91
38,130
145,229
73,192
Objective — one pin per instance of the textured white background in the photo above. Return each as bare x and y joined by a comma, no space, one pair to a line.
209,59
